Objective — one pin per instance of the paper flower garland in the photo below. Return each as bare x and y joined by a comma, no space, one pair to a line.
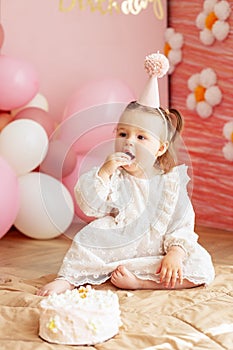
205,93
212,21
228,148
172,48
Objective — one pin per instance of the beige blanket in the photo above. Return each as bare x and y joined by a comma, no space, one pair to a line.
200,318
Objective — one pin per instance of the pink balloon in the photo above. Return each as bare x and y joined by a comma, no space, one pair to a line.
60,160
1,35
93,137
38,115
70,181
19,83
9,198
89,120
95,93
91,127
85,163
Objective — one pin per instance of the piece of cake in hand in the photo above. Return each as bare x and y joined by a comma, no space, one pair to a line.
83,316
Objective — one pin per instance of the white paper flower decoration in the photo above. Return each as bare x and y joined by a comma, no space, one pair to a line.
172,48
205,93
228,148
212,21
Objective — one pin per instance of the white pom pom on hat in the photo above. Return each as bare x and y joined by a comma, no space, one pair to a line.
157,66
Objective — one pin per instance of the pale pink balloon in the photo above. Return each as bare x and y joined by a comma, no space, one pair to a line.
1,35
60,160
38,115
19,83
9,198
91,127
98,92
70,181
85,163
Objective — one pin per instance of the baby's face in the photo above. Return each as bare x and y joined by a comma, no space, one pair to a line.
138,134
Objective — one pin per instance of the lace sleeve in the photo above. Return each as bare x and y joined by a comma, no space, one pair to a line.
93,195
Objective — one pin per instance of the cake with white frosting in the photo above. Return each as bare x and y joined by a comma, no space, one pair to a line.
83,316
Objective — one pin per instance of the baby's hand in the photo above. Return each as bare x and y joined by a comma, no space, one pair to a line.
57,286
112,162
171,267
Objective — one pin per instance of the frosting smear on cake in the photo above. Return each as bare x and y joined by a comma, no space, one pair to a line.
83,316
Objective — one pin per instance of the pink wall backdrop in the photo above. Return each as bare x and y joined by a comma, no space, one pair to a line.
73,47
213,174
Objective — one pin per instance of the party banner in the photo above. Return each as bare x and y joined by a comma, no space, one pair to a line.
125,7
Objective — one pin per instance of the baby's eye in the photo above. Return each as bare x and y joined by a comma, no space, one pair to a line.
122,134
141,137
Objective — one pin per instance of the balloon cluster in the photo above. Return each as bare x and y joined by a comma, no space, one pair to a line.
38,162
37,204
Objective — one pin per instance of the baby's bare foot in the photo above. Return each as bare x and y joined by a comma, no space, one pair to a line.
57,286
124,279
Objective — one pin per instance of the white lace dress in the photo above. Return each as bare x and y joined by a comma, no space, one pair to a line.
137,221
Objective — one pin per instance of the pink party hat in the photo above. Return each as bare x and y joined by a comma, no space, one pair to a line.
156,66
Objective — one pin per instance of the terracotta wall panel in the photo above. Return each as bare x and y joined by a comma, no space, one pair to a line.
212,173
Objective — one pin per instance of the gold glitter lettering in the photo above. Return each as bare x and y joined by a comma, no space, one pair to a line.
126,7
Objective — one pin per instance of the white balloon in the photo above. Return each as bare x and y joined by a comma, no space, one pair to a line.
38,101
46,206
24,144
